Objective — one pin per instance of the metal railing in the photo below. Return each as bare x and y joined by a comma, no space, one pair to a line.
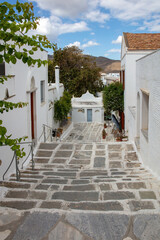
49,133
31,145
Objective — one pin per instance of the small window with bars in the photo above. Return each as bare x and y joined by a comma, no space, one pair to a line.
42,88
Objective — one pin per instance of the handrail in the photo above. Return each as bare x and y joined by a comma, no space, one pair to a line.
51,130
31,152
9,165
31,144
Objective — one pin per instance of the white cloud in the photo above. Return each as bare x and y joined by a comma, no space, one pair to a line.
76,44
114,50
118,40
130,10
153,26
92,33
90,44
85,45
63,8
53,27
97,16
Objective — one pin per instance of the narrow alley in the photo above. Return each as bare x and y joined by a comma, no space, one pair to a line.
82,188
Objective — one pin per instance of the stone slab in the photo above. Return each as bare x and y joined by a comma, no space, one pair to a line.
88,147
41,153
115,164
48,146
100,226
36,226
79,162
87,187
114,156
118,195
37,195
131,185
15,185
105,186
62,174
66,232
51,204
17,194
114,147
99,146
147,195
66,147
56,181
99,162
42,186
64,154
100,153
82,181
140,205
60,161
20,205
93,173
76,196
147,227
98,206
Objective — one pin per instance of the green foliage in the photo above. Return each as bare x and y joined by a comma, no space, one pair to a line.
15,22
62,107
113,98
77,72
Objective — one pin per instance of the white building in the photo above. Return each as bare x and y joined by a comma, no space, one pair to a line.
148,110
134,46
29,85
55,91
87,108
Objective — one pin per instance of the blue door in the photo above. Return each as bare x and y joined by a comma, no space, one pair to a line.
89,115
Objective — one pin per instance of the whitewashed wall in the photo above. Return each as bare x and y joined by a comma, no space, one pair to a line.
148,72
52,97
18,121
128,63
78,116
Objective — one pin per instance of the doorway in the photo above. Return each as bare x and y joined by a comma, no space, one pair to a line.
89,115
32,96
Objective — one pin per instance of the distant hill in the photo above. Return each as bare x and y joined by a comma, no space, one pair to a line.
106,64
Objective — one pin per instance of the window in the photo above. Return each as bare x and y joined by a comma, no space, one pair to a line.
145,113
42,89
2,69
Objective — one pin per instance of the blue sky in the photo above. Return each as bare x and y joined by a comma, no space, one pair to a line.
95,26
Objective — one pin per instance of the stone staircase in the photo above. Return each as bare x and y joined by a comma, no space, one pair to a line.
84,176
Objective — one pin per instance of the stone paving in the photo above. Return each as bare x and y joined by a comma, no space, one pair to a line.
82,191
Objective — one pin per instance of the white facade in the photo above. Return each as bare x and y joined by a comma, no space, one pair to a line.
148,110
53,95
87,108
29,85
128,77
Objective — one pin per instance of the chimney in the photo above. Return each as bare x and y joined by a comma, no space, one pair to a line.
57,80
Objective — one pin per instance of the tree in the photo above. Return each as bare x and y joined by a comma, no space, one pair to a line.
113,98
15,22
62,107
77,72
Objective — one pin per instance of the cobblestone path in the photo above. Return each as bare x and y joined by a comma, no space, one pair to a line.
96,191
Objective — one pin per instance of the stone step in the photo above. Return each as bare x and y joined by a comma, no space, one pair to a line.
48,146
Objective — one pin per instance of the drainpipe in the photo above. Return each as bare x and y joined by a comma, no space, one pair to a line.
57,80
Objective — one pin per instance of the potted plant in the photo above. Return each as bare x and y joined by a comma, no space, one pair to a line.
104,134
